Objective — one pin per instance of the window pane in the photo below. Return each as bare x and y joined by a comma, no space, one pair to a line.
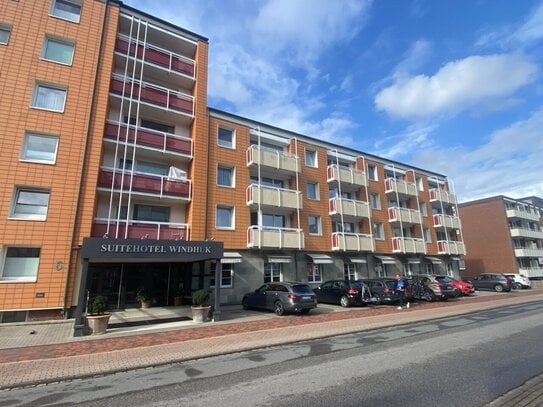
151,168
50,98
4,35
311,190
152,213
21,262
224,217
67,10
226,137
310,158
224,176
59,51
40,148
31,203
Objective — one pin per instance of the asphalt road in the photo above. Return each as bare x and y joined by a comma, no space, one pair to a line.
463,361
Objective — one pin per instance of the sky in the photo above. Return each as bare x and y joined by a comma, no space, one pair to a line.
450,86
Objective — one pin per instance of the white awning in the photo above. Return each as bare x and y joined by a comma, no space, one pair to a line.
386,259
434,260
413,260
279,259
320,258
231,257
358,260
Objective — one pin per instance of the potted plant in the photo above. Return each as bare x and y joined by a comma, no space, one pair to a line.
200,309
97,318
144,297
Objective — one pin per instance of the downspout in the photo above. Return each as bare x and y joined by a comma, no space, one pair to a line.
84,155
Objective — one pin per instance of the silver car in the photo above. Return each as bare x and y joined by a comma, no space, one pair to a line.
281,297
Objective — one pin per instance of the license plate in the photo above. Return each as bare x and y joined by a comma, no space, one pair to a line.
306,297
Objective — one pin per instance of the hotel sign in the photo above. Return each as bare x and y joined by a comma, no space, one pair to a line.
127,250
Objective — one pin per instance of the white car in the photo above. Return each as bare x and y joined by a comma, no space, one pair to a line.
519,280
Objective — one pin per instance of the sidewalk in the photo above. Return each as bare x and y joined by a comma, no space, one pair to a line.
51,354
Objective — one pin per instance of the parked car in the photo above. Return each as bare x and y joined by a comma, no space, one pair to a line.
281,297
428,287
519,280
461,287
343,292
491,281
383,290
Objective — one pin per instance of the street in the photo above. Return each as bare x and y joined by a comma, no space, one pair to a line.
459,361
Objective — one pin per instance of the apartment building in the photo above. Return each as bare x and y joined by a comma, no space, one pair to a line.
504,235
118,177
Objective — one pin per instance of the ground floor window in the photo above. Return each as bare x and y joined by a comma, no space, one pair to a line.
272,272
349,271
20,264
227,273
314,273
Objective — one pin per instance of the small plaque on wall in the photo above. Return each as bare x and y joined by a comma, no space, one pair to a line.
40,295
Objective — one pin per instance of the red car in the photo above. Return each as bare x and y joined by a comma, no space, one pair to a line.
461,287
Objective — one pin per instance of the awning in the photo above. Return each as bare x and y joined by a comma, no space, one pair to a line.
386,259
413,260
434,260
279,259
358,260
231,257
320,258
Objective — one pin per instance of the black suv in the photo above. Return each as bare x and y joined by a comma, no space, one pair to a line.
281,297
383,290
343,292
491,281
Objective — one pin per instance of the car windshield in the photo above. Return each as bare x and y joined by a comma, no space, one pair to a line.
357,285
391,284
444,279
302,289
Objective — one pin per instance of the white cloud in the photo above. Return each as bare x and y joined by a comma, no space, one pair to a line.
457,86
532,30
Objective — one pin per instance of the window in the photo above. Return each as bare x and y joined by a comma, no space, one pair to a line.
67,9
349,271
268,182
58,50
346,227
378,231
4,34
151,213
420,184
21,263
422,208
274,221
225,176
310,158
314,272
372,173
227,273
226,137
427,235
225,217
313,190
272,272
39,148
30,204
314,225
50,97
375,201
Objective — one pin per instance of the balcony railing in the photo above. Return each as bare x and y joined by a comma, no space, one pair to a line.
450,247
351,176
517,213
446,221
527,233
438,194
158,185
528,252
531,272
155,55
136,229
352,242
348,207
144,137
278,238
404,215
271,196
277,160
158,96
408,245
400,187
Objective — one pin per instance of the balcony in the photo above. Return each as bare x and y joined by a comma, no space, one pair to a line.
403,188
451,247
148,184
531,272
277,238
446,221
136,229
153,95
348,207
522,214
528,252
404,215
408,245
440,195
140,136
270,196
349,176
352,242
276,160
526,233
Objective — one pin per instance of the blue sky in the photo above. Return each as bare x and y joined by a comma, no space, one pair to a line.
452,86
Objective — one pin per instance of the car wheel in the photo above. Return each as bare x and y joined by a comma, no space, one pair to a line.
498,288
429,296
344,301
518,286
245,304
305,310
278,308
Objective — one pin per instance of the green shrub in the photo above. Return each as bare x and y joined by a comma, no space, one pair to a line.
143,295
97,305
199,297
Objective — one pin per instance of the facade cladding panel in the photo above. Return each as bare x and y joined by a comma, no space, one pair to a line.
289,225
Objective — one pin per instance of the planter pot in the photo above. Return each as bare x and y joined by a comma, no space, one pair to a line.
97,324
177,301
200,314
146,304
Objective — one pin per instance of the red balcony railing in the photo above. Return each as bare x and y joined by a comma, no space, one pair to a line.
140,230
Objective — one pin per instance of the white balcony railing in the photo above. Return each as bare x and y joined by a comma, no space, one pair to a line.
404,215
348,207
336,173
446,221
408,245
527,233
277,238
438,194
270,196
400,187
528,252
352,242
275,159
451,247
517,213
